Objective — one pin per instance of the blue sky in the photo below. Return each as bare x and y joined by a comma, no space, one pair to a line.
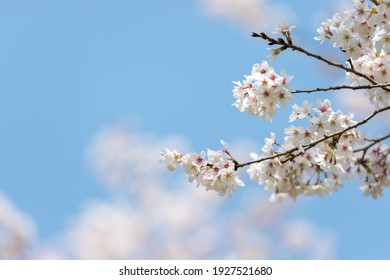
69,68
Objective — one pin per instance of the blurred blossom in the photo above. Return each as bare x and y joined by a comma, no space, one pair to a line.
302,238
119,157
119,230
154,215
253,15
150,219
16,231
107,231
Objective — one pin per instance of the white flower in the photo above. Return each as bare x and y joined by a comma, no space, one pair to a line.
294,135
171,158
323,106
224,144
320,124
300,112
283,28
324,32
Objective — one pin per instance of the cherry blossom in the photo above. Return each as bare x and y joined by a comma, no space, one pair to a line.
216,172
262,92
300,112
317,158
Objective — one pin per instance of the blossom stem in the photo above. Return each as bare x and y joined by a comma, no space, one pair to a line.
311,145
232,158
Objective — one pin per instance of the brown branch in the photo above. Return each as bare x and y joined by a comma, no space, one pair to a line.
281,42
341,87
374,142
311,145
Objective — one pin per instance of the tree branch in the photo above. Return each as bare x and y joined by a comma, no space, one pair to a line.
342,87
311,145
374,142
281,42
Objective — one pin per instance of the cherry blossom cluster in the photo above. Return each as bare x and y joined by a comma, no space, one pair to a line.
262,92
376,65
317,158
362,33
360,29
215,169
374,169
308,169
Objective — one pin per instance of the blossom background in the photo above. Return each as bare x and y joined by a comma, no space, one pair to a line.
92,90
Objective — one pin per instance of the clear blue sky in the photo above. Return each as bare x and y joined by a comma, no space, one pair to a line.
68,68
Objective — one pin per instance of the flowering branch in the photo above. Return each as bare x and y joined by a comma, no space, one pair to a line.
313,160
308,146
285,45
341,87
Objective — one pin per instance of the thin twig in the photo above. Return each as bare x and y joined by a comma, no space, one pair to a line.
374,142
341,87
350,63
311,145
